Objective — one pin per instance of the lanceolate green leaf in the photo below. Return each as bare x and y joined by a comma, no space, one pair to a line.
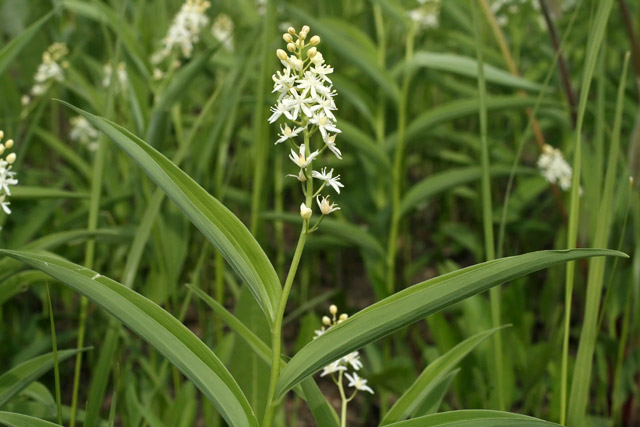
415,303
442,181
13,48
219,225
474,418
19,420
156,326
431,377
467,67
19,377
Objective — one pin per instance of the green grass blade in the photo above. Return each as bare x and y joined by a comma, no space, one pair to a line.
474,418
409,402
156,326
416,302
468,67
443,181
221,227
13,48
19,377
19,420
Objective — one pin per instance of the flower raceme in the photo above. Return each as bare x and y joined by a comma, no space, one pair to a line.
306,101
554,167
50,70
184,31
7,176
340,367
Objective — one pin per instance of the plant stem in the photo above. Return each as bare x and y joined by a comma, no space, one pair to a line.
398,163
276,334
56,368
487,213
345,402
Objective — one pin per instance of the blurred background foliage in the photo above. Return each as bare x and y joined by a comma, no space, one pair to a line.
209,115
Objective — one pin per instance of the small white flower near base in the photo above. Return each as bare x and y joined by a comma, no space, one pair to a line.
358,383
333,368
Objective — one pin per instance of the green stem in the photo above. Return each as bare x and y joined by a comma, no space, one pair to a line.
276,335
487,213
345,402
398,163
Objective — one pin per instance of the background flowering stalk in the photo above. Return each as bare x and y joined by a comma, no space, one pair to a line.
7,176
305,99
184,31
340,366
554,168
50,70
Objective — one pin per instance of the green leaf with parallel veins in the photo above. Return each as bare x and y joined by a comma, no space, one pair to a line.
219,225
415,303
156,326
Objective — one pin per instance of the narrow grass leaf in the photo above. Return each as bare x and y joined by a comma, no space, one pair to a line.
474,418
11,419
443,181
156,326
413,398
416,302
465,66
19,377
13,48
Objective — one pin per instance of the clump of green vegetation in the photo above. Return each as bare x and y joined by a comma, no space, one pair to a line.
163,263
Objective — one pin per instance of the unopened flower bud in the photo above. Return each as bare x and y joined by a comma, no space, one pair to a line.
1,149
8,144
282,55
11,158
305,29
299,64
312,52
287,37
291,47
326,321
301,176
344,316
305,212
333,309
315,40
291,30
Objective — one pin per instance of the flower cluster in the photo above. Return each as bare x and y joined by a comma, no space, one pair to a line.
122,78
7,176
83,132
222,30
427,14
51,69
554,168
503,10
185,29
350,361
306,100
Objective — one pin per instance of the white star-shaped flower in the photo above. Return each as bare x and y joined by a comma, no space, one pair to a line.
300,160
296,102
358,383
326,207
328,178
352,359
288,133
332,368
324,124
